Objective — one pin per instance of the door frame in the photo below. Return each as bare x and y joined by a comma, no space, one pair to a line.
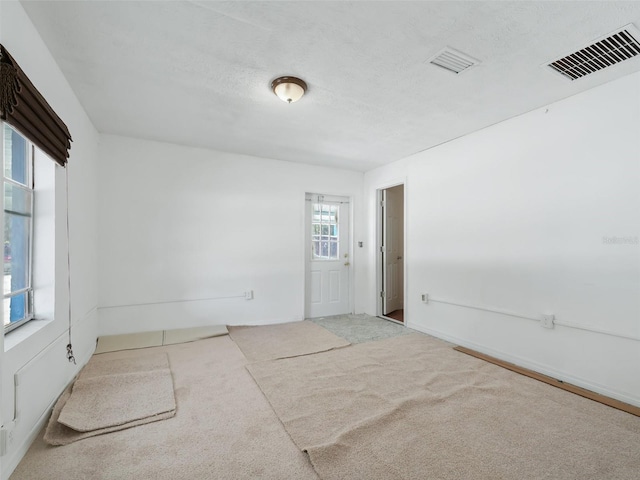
379,223
306,238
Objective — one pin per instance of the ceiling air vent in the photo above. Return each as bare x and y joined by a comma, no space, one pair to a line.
614,48
453,61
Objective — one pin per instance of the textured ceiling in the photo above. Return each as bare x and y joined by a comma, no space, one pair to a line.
198,73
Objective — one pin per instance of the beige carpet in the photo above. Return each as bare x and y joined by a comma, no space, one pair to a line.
113,394
284,340
410,407
58,434
224,428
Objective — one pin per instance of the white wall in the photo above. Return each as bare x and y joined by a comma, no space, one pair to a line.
509,218
35,355
179,223
516,218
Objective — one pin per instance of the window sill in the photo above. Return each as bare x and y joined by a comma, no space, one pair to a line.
19,335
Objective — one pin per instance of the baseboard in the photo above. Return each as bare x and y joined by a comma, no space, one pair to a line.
521,362
12,460
14,457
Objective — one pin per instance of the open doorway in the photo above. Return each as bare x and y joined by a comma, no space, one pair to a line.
391,253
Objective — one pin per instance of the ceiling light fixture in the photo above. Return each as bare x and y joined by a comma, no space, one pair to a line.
289,89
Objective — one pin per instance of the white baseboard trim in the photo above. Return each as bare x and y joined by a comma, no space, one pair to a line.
15,455
521,362
12,460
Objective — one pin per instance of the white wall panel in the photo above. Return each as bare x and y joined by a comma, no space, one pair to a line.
518,218
334,285
38,349
179,223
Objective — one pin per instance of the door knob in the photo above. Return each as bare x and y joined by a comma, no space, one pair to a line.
346,264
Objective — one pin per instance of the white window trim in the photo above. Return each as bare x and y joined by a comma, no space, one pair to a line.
29,289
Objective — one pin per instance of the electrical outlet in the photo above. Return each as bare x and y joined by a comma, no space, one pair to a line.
248,295
425,298
547,321
6,437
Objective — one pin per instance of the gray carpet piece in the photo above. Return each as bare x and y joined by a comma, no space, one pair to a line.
361,328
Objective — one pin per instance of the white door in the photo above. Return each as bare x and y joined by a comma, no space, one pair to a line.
393,249
328,259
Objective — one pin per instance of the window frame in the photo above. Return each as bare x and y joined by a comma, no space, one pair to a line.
29,187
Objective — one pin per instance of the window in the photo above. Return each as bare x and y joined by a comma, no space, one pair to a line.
43,135
324,231
18,228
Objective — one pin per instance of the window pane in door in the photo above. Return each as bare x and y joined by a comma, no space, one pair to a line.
333,250
324,229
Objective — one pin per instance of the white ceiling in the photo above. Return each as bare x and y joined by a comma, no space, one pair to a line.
198,72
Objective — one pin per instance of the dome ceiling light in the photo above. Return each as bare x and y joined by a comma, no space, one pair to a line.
289,89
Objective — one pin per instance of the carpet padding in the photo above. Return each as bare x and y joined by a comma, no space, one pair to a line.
111,395
185,335
132,341
411,407
284,340
129,341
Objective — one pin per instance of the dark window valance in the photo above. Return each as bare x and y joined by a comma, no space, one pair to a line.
23,107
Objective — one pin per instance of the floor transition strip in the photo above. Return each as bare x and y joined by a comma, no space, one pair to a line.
611,402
